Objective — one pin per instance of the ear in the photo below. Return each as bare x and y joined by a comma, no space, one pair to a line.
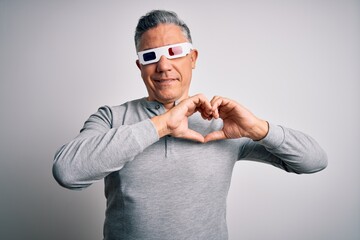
194,55
138,64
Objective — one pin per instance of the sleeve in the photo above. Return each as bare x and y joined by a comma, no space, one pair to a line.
100,149
288,149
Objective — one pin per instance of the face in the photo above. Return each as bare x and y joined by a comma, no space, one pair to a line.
167,80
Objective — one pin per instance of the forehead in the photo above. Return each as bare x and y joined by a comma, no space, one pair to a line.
161,35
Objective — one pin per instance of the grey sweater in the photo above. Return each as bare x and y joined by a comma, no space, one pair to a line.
169,188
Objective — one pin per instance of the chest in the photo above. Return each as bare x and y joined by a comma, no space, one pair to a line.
173,163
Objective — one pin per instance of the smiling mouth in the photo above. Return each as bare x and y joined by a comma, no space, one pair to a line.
165,81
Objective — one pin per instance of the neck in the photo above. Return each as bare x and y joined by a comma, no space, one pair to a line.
168,106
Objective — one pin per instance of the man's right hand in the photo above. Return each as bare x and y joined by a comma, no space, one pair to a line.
175,121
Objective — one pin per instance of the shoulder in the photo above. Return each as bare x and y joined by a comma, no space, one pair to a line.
126,113
108,115
111,111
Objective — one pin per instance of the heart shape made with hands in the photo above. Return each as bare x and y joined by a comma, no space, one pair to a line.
237,120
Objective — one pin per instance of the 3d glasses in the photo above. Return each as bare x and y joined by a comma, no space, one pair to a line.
170,52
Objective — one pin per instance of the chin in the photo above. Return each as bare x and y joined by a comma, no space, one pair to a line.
167,98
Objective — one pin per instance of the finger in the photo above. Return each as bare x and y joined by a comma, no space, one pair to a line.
194,101
213,136
204,114
216,102
193,135
202,105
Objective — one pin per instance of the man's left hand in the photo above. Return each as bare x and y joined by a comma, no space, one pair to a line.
238,121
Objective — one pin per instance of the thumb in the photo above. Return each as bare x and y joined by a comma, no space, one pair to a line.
193,135
213,136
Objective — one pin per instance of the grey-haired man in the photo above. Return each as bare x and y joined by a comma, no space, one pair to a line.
167,158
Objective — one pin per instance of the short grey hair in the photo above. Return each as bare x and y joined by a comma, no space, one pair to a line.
156,17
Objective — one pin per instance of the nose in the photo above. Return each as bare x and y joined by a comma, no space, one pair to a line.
163,64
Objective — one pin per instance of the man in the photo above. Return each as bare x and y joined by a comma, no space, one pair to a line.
167,159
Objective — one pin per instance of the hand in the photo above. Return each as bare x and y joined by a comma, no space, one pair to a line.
175,121
238,121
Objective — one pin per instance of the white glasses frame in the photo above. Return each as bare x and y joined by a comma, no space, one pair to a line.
156,53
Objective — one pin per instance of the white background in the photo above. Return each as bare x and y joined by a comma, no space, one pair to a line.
294,63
